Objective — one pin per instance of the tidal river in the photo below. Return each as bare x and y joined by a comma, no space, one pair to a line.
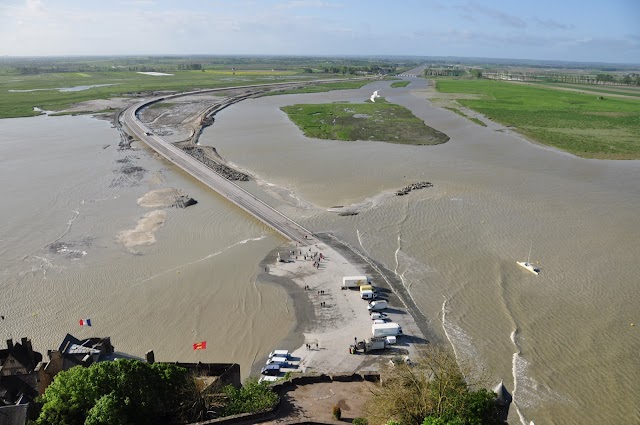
562,340
75,243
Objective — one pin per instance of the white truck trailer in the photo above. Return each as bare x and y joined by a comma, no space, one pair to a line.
355,281
372,344
386,329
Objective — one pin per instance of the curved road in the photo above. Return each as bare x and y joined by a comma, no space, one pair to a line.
234,193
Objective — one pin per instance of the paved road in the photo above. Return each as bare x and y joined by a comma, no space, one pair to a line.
234,193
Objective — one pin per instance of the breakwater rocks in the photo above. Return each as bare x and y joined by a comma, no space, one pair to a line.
226,172
413,186
184,201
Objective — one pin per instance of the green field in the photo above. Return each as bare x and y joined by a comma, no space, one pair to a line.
124,83
380,121
28,82
400,84
582,124
624,90
338,85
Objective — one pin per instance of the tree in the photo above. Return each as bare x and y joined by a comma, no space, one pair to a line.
431,392
605,78
116,392
476,73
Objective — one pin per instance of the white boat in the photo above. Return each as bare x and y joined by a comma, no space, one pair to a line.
527,265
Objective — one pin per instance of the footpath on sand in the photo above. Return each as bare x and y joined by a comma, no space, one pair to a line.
329,319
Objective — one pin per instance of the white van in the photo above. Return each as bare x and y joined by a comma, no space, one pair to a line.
377,305
368,294
277,360
280,353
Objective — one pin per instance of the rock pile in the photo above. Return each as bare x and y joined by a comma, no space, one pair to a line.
413,186
223,170
184,201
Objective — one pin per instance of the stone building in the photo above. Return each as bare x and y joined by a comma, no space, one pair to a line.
75,352
19,368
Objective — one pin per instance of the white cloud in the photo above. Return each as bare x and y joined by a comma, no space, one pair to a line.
471,9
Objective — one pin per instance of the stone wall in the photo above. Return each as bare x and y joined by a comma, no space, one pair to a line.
284,386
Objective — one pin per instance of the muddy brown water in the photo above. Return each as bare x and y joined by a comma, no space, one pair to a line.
563,339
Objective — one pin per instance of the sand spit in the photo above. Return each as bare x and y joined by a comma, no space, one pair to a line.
160,198
144,232
97,105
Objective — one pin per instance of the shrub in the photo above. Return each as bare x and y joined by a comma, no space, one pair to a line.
337,413
253,397
360,421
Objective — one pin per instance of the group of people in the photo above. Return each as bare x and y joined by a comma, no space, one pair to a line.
310,346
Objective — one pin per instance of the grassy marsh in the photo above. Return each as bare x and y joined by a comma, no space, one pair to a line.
379,121
462,114
400,84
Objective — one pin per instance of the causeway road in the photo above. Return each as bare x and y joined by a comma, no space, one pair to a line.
231,191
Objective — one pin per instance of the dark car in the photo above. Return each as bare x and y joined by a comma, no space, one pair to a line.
271,369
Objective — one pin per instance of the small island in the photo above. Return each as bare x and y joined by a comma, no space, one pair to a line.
380,121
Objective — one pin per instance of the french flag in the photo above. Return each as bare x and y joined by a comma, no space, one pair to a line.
85,322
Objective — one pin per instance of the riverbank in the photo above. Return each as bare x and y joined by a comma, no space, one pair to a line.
327,318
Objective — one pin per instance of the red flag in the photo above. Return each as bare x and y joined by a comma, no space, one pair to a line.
200,345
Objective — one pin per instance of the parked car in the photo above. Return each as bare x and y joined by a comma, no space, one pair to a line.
267,378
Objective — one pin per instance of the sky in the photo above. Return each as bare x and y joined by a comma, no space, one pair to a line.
569,30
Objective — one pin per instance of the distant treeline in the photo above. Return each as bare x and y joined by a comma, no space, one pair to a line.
493,63
445,71
575,77
340,65
352,70
631,79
